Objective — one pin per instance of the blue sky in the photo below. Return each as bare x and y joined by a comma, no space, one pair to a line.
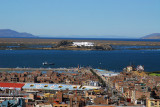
86,18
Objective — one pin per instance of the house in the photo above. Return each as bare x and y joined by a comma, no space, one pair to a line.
153,103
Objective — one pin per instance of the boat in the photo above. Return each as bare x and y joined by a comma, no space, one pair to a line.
46,63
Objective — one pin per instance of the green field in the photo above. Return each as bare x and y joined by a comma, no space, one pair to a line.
154,74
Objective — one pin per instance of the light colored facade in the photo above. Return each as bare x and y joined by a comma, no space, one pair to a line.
129,68
111,74
83,44
153,103
61,105
91,83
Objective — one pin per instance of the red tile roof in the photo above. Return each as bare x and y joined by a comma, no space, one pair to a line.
12,85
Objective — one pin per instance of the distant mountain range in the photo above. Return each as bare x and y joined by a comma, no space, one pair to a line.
8,33
12,33
152,36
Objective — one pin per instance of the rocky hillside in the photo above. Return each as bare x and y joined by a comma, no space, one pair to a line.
152,36
12,33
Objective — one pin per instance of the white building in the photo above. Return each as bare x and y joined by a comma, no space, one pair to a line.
83,44
140,68
94,83
110,74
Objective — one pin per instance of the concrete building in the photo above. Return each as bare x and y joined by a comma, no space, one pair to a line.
13,103
153,103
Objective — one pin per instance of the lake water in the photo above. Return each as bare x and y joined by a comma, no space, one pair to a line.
112,60
113,39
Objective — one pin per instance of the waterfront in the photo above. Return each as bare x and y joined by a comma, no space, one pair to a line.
89,87
111,60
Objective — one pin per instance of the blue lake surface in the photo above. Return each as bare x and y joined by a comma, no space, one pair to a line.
129,47
112,60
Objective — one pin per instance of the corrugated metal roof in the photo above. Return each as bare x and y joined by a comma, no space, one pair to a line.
45,86
56,86
11,85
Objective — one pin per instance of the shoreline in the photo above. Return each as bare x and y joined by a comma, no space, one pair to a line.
59,69
79,49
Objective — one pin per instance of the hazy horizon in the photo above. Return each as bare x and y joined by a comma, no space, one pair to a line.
87,36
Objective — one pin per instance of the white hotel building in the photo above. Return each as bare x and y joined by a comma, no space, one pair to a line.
83,44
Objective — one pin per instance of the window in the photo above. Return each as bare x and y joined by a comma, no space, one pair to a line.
155,102
152,104
138,102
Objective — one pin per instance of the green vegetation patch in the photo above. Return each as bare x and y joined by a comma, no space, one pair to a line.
154,74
